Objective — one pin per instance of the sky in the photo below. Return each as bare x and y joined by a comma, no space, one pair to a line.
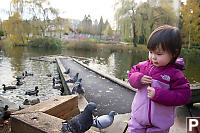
76,9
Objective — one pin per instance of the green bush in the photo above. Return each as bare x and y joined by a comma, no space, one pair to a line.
1,33
47,42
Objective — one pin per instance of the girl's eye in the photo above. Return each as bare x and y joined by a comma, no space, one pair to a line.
150,52
159,54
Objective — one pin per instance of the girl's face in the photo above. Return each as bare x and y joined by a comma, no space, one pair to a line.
159,57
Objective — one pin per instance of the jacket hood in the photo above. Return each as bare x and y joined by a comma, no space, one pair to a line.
179,63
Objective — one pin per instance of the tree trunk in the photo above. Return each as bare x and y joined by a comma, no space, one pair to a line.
134,35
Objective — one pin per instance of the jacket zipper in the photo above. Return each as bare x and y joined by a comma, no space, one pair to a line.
149,113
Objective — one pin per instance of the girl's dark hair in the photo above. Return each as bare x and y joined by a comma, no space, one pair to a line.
169,38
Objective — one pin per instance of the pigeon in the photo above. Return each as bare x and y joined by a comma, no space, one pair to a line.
73,79
104,121
81,122
30,92
78,81
4,114
78,87
28,74
68,71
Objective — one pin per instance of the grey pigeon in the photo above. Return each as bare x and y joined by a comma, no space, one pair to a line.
78,81
104,121
81,122
73,79
78,89
68,71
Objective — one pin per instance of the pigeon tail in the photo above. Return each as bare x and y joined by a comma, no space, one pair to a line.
66,127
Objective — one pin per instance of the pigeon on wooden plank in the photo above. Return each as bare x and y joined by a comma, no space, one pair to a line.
82,122
73,79
68,71
78,89
78,81
104,121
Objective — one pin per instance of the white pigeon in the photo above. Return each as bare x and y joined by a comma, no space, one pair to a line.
104,121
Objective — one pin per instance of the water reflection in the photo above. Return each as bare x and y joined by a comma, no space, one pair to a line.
119,64
14,61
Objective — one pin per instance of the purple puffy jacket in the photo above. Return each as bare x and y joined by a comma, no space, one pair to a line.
171,89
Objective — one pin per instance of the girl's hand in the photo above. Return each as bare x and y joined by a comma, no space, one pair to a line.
150,92
146,79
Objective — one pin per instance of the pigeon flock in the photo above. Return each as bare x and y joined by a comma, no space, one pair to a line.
83,121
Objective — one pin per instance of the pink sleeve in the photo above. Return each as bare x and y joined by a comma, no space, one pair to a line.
135,76
178,94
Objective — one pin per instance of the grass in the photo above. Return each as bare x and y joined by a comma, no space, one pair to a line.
92,45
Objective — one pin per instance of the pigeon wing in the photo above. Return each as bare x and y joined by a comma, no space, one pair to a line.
103,121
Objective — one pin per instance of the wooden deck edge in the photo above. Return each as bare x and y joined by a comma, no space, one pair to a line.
61,70
69,86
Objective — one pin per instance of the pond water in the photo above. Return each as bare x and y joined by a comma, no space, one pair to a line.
14,61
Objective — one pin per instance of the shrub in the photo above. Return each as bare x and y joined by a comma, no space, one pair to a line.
47,42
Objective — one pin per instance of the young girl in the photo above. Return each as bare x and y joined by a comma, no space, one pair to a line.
161,84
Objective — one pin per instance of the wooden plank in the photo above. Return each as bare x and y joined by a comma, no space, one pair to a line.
48,104
61,70
69,108
35,123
